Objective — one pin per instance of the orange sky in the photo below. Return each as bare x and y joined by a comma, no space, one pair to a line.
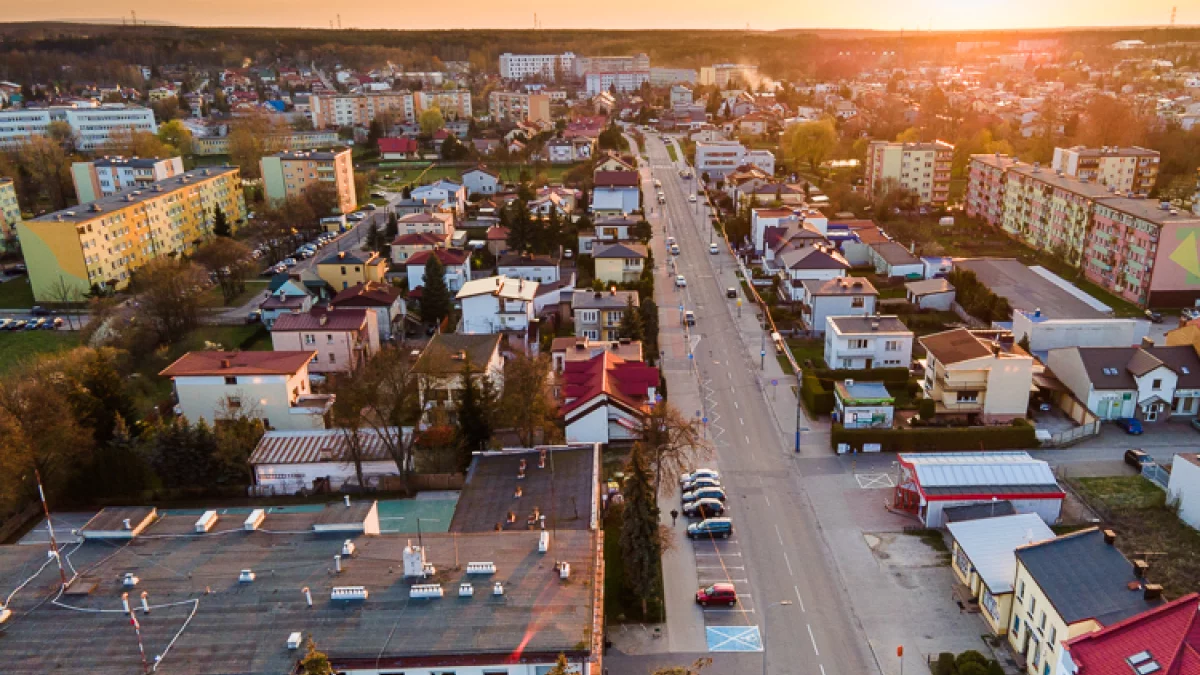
879,14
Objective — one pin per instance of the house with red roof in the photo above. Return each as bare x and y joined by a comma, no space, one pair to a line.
457,264
606,398
398,148
343,339
1164,640
383,299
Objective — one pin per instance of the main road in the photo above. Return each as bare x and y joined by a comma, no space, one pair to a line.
798,603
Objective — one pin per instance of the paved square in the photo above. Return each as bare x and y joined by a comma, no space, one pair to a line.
733,639
869,481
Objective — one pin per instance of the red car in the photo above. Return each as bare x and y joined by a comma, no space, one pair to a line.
717,594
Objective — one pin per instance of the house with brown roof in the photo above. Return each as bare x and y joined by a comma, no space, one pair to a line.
1148,382
383,299
819,299
497,240
408,244
271,386
972,376
342,338
440,367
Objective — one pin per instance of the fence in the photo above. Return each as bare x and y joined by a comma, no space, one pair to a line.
1064,438
1156,475
967,318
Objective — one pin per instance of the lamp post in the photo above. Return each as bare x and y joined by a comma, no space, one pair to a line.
781,603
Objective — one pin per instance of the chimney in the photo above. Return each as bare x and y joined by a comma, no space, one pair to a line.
1152,591
1110,537
324,319
874,324
1147,342
1139,568
225,363
347,500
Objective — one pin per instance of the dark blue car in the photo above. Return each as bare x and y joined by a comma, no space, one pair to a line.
1130,425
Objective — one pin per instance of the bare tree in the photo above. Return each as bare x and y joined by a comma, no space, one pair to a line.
671,443
526,401
228,261
68,296
169,292
384,392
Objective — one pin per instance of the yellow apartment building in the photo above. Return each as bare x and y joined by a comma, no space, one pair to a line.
105,241
288,174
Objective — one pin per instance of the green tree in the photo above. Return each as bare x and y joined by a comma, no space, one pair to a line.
909,135
640,544
393,227
374,133
810,142
99,396
476,409
631,322
176,135
521,228
220,226
430,121
376,240
435,296
314,662
926,408
560,666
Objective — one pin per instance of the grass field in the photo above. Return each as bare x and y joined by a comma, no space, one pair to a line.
19,346
16,294
672,153
213,298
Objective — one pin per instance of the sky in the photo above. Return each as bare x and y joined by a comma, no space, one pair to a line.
620,14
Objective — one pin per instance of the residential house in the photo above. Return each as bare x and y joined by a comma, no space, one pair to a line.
453,194
288,462
456,263
398,148
935,294
598,314
1069,586
565,349
611,230
432,222
290,296
619,263
862,405
496,304
606,399
984,561
384,300
893,260
348,268
611,162
1164,639
481,181
843,296
271,386
497,240
1147,382
343,339
615,193
406,246
984,380
527,266
931,484
864,342
808,263
440,367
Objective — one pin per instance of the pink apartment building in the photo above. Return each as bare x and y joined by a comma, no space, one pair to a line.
1144,252
985,187
342,339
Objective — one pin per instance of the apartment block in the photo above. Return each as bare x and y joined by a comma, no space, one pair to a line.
357,110
920,168
454,103
516,107
109,175
549,66
727,75
1144,251
288,174
585,65
1049,211
986,175
10,212
1131,169
598,82
105,241
91,124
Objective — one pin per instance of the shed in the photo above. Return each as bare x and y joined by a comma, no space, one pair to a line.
930,294
863,405
931,482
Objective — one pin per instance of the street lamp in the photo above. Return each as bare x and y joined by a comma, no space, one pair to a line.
781,603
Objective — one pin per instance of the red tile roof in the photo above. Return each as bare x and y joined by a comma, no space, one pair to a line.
419,238
370,294
615,179
497,233
447,256
397,145
238,363
349,319
625,381
1169,632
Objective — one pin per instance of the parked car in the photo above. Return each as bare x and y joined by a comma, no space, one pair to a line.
5,324
1154,317
717,594
254,316
58,322
704,493
38,310
680,281
689,317
719,528
705,508
731,292
692,198
19,324
1137,458
369,207
712,248
702,482
1130,425
674,249
34,325
688,477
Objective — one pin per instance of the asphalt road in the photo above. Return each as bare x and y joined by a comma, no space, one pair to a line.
789,574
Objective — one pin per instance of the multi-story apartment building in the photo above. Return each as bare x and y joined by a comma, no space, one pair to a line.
105,241
288,174
598,82
109,175
10,212
922,169
663,77
1131,169
1049,211
612,64
549,66
454,103
718,158
986,178
727,75
357,110
91,124
515,107
1144,252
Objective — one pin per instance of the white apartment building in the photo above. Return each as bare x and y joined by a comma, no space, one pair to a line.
109,175
860,342
1131,169
725,75
718,158
91,124
357,110
922,169
521,66
622,81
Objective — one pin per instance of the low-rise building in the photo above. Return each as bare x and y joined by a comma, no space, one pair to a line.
797,264
496,304
291,295
428,222
271,386
343,339
598,314
930,483
1044,333
615,193
981,379
287,175
843,296
1183,488
530,267
350,268
457,265
605,399
440,368
481,181
289,462
406,246
619,263
451,195
862,405
384,300
863,342
564,349
1148,382
935,294
893,260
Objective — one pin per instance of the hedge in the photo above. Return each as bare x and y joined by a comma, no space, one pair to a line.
817,399
886,375
937,438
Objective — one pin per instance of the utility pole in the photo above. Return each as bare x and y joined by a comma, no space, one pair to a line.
62,574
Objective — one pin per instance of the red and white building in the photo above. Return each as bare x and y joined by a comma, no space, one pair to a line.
931,482
1160,641
606,398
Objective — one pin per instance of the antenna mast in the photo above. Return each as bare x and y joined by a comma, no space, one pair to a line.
62,574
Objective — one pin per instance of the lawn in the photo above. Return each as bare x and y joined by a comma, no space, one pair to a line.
19,346
213,298
16,294
1137,511
672,153
812,350
395,175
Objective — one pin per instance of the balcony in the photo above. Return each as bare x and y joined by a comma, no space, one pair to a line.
975,381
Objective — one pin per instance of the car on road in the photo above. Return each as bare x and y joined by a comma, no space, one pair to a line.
703,493
713,249
369,207
1154,317
670,241
680,281
378,195
36,324
718,594
719,528
702,482
6,324
674,249
705,508
1137,458
691,476
1130,425
692,198
731,292
288,262
689,317
356,216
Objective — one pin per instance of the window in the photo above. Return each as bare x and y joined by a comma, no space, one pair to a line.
1156,385
588,316
1016,626
1032,605
858,301
857,344
847,364
233,402
309,339
892,346
968,397
1021,591
1042,621
1053,636
328,338
231,380
332,357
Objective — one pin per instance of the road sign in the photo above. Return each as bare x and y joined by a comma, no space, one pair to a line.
774,383
698,413
704,420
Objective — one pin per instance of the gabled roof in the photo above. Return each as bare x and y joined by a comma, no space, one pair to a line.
419,239
955,346
501,287
497,233
615,179
945,474
316,445
526,260
1169,635
397,145
370,294
990,542
839,286
220,363
482,169
813,258
348,319
449,257
351,258
928,287
1114,368
627,382
442,354
625,251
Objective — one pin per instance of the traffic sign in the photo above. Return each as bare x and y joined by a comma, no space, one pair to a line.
774,383
704,420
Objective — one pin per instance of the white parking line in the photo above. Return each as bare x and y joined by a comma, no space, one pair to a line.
779,535
735,405
741,421
729,611
813,638
789,564
768,500
799,599
720,567
747,440
736,555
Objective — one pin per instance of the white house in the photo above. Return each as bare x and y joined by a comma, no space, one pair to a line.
457,264
809,263
858,342
606,398
893,260
761,219
481,181
1184,487
1148,383
453,194
930,294
843,296
537,268
287,462
496,304
615,193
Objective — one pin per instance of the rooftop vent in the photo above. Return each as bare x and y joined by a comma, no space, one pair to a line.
481,568
543,542
130,580
348,548
425,591
1152,591
246,577
254,520
346,593
465,590
206,522
1139,568
498,588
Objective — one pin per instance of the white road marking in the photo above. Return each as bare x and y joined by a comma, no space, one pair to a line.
735,405
729,611
768,500
720,567
722,554
788,562
799,599
779,534
742,421
813,638
822,666
747,440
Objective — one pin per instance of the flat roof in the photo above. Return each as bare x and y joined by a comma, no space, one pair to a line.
1150,210
82,213
989,544
1063,182
869,324
220,626
311,154
565,491
1026,290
